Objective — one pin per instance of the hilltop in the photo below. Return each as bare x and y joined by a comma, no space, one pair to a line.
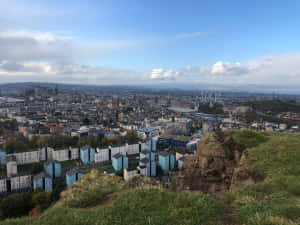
261,186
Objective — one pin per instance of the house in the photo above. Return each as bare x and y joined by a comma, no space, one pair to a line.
119,162
82,132
166,160
147,154
87,155
192,145
180,162
174,140
142,170
129,174
149,165
282,126
42,181
11,168
148,132
52,169
144,154
19,183
152,144
72,176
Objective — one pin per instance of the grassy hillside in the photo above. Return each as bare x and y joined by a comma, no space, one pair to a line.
275,200
136,202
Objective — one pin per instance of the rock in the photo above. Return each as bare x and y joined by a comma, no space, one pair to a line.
211,169
241,178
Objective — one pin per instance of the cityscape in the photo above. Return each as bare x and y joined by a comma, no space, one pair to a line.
53,135
149,112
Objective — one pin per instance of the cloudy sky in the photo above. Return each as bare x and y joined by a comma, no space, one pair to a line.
215,44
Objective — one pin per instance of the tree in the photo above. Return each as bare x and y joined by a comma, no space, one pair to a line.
15,205
42,199
58,187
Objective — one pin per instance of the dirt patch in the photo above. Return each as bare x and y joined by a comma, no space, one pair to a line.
35,212
108,200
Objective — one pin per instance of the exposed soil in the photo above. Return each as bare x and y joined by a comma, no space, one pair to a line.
35,212
108,200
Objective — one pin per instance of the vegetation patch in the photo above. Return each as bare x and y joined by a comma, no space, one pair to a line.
138,206
276,200
90,190
20,204
249,138
68,164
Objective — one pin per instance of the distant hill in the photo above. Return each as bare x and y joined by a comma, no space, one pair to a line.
264,188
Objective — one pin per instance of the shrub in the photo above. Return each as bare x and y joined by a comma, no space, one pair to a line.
42,199
249,138
15,205
58,187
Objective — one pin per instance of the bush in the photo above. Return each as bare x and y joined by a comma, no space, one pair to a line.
119,173
249,138
159,170
42,199
58,187
15,205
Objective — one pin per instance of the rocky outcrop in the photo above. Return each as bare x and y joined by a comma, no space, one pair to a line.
215,167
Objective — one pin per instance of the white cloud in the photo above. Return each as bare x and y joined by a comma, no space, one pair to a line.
45,56
23,45
272,70
161,74
227,68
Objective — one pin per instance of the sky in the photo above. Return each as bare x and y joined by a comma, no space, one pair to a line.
251,45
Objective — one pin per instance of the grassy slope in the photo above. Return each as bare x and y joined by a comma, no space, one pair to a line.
274,201
277,199
138,207
141,204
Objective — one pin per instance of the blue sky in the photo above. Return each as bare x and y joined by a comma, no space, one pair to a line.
220,43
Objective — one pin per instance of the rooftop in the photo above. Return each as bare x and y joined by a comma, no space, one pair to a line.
118,155
164,153
145,160
41,175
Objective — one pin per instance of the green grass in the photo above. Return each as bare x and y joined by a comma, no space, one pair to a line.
277,199
138,203
106,168
68,164
138,206
100,169
32,168
89,190
278,157
249,138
